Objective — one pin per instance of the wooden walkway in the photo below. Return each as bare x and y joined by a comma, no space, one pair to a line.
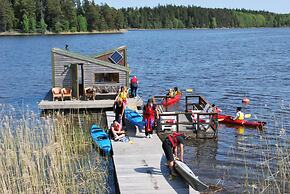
82,104
140,165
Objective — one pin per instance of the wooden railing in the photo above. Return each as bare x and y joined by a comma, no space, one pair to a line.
198,124
199,105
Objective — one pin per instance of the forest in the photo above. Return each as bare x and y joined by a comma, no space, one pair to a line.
42,16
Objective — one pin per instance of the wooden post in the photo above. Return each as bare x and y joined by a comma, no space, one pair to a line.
177,123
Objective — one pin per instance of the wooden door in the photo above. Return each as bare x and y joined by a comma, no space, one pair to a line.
74,80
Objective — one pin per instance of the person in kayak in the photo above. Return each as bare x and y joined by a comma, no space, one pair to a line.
116,130
149,112
170,145
176,91
134,86
170,93
239,115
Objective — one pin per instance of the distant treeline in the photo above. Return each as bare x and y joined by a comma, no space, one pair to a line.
30,16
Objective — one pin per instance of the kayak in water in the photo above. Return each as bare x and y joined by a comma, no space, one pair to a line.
227,119
169,101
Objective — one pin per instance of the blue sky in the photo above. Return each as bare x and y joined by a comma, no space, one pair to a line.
277,6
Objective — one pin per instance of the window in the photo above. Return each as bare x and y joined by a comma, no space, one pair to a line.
106,77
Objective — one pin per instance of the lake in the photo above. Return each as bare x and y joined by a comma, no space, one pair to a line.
223,65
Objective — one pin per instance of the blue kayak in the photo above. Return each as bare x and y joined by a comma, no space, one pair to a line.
135,118
101,139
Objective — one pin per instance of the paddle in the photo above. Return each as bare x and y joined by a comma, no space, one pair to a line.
189,90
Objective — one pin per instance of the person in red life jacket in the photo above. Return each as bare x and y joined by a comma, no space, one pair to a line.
116,130
134,86
149,112
170,145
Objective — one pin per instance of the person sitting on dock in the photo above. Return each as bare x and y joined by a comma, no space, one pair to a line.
169,145
134,86
119,109
149,112
116,131
239,115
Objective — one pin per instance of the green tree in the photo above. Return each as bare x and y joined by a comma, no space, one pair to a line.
213,23
42,26
6,16
53,14
82,25
69,14
58,27
32,24
25,24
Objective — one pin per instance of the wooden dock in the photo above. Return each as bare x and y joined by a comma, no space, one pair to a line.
82,104
140,165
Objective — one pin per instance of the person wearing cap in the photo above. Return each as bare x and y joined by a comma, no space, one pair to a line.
170,145
134,86
239,115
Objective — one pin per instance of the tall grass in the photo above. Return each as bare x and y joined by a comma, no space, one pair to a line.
48,155
274,163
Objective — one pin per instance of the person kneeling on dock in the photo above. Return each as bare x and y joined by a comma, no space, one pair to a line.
169,146
116,131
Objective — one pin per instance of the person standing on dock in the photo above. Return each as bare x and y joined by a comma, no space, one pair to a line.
149,112
134,86
170,147
119,109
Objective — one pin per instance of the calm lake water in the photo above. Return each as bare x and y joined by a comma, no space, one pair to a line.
222,65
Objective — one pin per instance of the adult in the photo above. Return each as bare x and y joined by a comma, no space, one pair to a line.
119,108
239,115
170,147
116,130
122,94
176,91
134,86
149,112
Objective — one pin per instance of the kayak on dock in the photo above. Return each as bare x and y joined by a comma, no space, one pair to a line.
227,119
169,101
135,118
101,139
189,176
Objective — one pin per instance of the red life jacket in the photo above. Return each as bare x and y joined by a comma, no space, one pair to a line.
149,112
116,127
134,80
173,140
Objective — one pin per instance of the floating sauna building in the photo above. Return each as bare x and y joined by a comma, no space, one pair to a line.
83,82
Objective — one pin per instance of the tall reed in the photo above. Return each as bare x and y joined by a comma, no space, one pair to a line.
48,155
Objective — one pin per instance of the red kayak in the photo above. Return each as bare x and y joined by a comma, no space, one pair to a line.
228,120
170,101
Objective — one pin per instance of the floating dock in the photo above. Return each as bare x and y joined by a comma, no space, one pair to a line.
140,165
82,104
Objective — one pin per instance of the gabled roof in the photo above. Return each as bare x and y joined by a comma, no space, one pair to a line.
89,59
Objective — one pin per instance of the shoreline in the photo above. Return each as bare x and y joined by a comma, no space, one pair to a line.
121,31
